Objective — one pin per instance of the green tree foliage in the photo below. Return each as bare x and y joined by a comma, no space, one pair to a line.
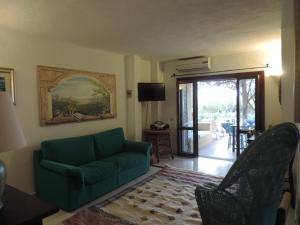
98,104
63,106
247,96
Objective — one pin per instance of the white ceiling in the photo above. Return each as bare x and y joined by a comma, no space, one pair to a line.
159,29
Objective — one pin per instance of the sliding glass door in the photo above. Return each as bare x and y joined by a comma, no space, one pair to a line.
186,123
217,112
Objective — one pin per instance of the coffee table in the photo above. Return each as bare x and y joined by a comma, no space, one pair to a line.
21,208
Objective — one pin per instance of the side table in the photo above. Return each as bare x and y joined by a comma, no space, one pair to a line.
21,208
161,141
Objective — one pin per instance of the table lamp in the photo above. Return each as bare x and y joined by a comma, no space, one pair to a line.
11,135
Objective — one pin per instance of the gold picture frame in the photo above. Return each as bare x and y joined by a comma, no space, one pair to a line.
67,95
7,82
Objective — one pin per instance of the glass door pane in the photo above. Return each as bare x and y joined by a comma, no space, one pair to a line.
186,105
186,120
187,141
247,104
216,118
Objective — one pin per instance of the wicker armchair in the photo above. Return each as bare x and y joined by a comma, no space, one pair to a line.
251,191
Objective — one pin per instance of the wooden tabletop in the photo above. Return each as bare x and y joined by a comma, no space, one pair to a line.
21,208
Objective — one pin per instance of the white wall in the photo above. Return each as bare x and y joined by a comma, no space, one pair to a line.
131,100
24,53
156,76
145,76
243,60
137,70
151,111
288,59
140,114
289,46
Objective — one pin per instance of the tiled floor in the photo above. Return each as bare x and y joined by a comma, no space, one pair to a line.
206,165
220,148
217,148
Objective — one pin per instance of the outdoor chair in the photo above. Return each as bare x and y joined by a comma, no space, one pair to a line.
232,138
251,191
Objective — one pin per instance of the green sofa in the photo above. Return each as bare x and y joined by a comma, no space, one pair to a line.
73,171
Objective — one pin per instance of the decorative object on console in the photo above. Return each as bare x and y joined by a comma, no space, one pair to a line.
7,83
68,95
11,135
159,125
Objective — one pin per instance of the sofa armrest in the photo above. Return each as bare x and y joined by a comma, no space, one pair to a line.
64,169
135,146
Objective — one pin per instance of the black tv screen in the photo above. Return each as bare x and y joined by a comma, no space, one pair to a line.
151,92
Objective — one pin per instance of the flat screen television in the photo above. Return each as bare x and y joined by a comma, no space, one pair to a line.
151,92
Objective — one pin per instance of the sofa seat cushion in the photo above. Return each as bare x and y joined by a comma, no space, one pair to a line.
74,151
98,170
109,142
127,160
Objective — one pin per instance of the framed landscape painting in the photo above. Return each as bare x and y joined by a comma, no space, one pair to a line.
67,95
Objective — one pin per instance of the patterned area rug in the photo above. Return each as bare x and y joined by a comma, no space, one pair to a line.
167,197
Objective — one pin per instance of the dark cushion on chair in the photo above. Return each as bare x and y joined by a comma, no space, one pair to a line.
74,151
109,142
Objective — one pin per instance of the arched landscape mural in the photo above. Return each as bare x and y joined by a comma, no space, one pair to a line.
74,96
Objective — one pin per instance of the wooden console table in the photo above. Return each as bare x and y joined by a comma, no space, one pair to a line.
21,208
161,142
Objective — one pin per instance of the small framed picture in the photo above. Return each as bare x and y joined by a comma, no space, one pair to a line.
7,82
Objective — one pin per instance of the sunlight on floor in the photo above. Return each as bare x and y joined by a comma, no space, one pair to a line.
210,166
218,149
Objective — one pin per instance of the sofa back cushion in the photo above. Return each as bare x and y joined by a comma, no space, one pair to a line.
74,151
109,142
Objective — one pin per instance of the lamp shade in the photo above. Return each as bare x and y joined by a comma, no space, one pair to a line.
11,134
